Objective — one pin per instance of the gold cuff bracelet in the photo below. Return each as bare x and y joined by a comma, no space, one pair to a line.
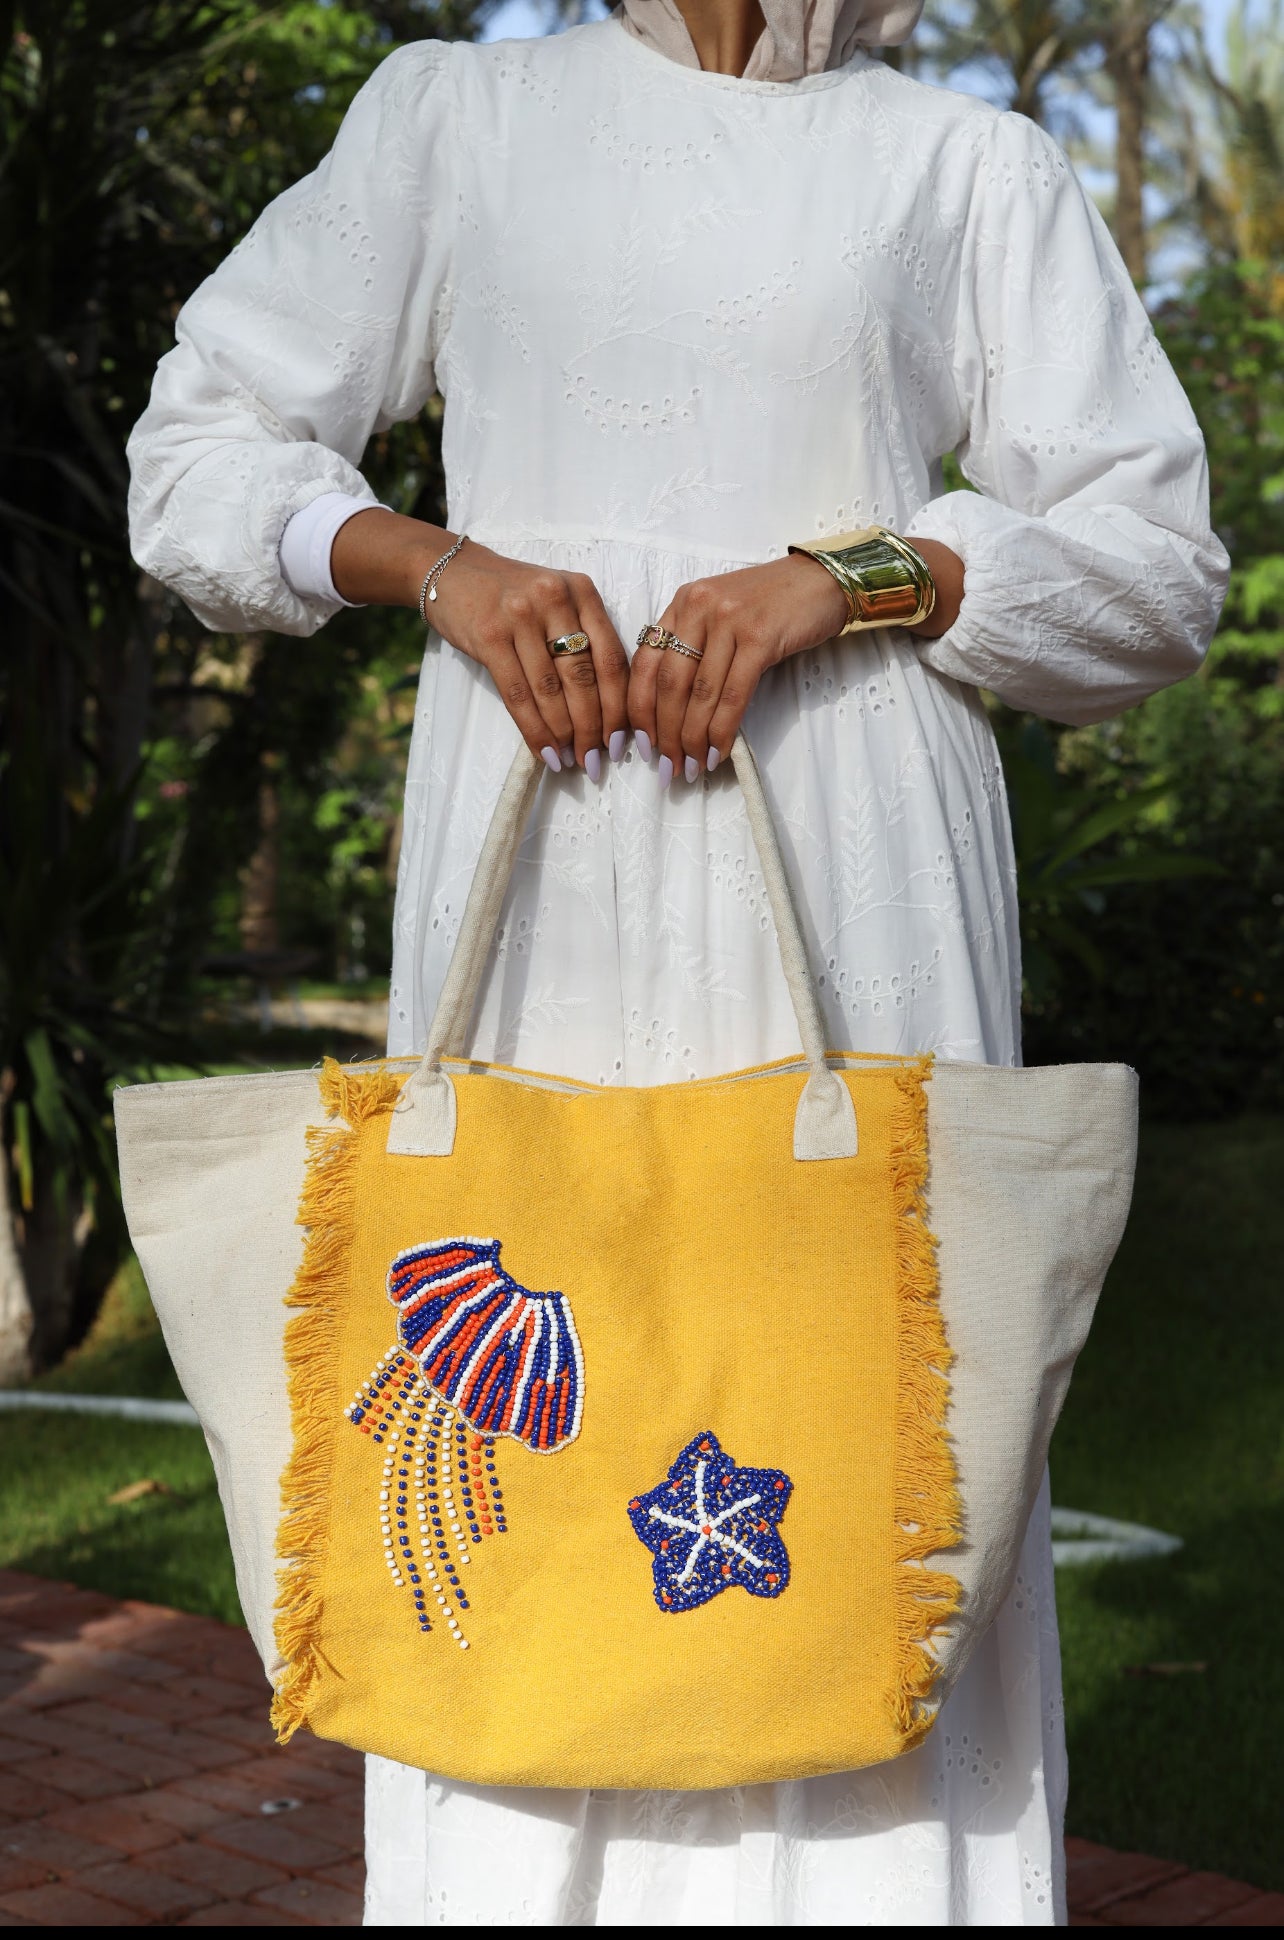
886,581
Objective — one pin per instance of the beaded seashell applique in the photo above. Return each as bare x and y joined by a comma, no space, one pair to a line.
712,1526
480,1358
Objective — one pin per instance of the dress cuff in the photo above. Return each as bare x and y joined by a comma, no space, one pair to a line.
304,552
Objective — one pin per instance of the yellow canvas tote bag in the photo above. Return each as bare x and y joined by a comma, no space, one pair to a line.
644,1437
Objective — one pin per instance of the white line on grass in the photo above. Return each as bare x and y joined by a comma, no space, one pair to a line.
179,1414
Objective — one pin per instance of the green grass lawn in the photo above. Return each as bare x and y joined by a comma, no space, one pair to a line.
57,1473
1175,1420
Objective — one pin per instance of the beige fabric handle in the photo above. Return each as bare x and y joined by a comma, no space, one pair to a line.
423,1124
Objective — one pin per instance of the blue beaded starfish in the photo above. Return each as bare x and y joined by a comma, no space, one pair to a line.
711,1526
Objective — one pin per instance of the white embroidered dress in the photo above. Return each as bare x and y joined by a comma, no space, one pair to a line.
679,319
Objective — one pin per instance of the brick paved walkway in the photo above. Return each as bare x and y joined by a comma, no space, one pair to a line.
139,1786
139,1783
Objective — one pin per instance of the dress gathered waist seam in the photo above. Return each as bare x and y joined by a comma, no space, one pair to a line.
514,537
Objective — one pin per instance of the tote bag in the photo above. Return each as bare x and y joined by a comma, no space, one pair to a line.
670,1436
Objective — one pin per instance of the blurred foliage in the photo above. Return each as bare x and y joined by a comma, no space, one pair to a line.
1185,978
1231,114
82,942
1036,56
137,143
1227,345
1074,844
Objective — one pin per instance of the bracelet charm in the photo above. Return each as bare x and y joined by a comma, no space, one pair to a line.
886,580
428,591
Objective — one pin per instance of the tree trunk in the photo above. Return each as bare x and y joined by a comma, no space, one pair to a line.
16,1318
1038,61
260,927
1128,63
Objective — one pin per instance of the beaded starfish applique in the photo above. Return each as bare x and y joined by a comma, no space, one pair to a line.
711,1525
479,1357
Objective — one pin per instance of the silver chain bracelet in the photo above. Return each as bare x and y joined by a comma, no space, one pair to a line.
428,591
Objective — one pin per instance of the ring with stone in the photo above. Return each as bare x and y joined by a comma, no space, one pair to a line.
653,635
568,643
674,645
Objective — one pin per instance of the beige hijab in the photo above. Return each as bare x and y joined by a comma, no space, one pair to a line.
801,36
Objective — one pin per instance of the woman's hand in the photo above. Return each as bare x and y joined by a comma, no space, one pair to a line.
502,614
746,622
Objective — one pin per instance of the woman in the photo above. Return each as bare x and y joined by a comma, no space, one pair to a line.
696,287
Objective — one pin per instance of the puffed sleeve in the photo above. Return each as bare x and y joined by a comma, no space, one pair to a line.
1093,576
316,331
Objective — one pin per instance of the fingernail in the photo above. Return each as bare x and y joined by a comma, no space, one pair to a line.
550,755
568,757
593,764
643,740
615,746
665,771
691,767
714,759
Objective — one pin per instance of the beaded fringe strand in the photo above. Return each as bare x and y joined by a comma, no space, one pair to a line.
927,1506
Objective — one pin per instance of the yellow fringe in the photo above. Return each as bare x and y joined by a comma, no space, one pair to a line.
328,1209
927,1506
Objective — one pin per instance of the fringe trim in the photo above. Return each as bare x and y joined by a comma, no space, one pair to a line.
327,1208
928,1513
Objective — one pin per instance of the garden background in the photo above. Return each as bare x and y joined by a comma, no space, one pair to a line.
198,835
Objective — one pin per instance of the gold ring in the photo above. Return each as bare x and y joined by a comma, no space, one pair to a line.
567,643
674,645
653,635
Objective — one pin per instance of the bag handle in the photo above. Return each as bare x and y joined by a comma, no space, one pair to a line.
423,1122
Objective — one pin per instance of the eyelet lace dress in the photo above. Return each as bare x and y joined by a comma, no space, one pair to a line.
679,320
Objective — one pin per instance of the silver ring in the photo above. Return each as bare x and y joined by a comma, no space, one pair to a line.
567,643
673,645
